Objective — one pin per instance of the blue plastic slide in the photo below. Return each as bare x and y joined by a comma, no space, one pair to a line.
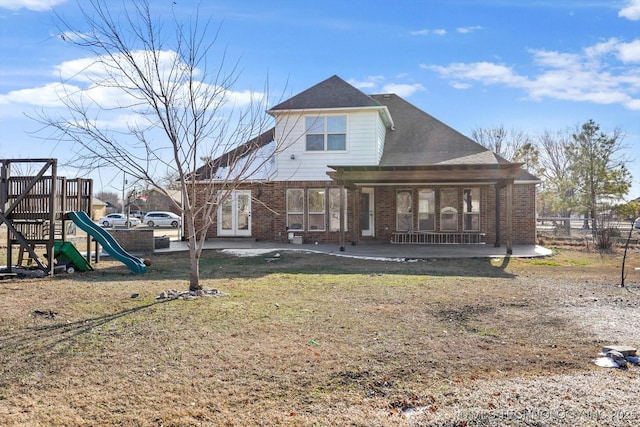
109,244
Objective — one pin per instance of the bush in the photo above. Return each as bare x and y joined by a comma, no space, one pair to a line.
604,237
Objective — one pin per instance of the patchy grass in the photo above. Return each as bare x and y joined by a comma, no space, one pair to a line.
305,340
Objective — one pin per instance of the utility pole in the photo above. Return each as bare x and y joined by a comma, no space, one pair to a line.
125,211
124,183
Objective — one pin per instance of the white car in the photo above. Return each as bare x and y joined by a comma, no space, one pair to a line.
117,219
162,219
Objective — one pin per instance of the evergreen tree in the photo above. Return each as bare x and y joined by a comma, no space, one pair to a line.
597,170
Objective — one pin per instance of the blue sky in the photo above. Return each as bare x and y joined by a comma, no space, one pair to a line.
532,65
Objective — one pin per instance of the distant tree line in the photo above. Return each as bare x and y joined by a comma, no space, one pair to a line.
584,171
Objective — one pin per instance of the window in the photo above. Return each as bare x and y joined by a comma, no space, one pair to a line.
295,209
334,209
448,209
426,210
316,208
404,215
326,133
471,209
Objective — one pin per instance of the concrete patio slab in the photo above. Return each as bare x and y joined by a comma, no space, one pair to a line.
368,250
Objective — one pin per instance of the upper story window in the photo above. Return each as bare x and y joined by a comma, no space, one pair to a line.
326,133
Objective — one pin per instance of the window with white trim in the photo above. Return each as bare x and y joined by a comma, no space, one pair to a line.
316,209
404,213
295,209
449,209
334,209
326,133
471,209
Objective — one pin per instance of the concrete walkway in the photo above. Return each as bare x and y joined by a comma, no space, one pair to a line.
367,250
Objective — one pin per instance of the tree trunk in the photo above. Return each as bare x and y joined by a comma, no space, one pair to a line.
194,249
194,260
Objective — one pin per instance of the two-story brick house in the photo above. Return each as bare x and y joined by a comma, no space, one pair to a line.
348,167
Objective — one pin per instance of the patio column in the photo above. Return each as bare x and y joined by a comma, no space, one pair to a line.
498,186
509,200
342,225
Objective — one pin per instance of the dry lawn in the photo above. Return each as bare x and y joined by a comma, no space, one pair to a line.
313,340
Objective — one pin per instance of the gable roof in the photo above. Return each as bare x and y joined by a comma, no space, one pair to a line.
330,93
419,139
413,140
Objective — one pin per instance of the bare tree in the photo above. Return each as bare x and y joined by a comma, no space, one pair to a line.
179,107
558,190
513,145
109,197
170,181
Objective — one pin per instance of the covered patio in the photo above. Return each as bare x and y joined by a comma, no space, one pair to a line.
499,176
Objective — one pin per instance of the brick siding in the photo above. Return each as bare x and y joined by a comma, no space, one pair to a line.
269,219
135,241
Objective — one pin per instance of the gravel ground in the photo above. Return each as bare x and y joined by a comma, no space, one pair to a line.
601,397
594,397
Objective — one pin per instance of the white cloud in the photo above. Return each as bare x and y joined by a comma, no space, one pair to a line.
244,98
96,82
629,52
631,11
485,72
465,30
600,49
633,104
402,90
370,82
378,84
35,5
45,96
123,122
461,86
554,59
596,74
426,31
97,69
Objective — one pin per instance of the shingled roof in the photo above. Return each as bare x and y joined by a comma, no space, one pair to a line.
419,139
208,171
413,137
330,93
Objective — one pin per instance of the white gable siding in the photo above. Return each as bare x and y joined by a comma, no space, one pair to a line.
363,146
381,132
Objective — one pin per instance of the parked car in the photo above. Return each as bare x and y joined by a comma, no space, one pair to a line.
118,219
162,219
137,214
